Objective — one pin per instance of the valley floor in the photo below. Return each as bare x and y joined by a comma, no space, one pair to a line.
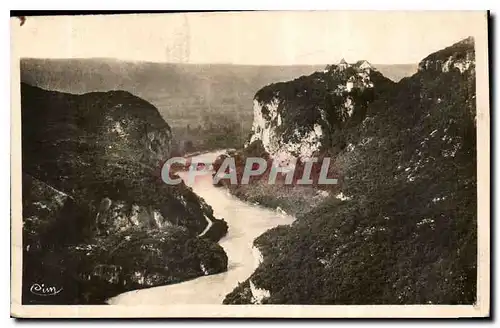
246,222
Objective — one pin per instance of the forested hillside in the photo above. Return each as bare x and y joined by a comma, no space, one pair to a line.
404,230
97,220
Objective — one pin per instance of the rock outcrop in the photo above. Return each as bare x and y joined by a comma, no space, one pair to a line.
301,118
459,57
94,205
403,230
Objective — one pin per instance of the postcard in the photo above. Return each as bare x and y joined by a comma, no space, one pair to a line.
285,164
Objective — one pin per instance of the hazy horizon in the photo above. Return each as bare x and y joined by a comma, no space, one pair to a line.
292,38
194,64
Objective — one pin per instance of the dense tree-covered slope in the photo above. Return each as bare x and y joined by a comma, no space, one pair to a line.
97,220
406,231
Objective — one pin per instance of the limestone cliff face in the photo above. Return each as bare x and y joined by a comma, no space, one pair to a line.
297,119
404,228
460,57
94,204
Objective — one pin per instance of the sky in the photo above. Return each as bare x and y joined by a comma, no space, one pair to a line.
249,38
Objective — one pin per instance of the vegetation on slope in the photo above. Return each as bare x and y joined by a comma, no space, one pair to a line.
408,235
95,212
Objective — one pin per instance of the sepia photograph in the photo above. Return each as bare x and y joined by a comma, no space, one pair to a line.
251,164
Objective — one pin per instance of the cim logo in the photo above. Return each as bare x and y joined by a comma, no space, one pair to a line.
43,290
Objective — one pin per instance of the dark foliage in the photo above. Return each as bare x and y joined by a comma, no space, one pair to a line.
217,231
409,233
97,218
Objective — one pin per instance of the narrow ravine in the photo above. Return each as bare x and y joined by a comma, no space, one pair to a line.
246,222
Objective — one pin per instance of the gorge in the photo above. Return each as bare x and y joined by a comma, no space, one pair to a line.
246,222
399,228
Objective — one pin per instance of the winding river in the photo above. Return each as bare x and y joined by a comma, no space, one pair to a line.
246,222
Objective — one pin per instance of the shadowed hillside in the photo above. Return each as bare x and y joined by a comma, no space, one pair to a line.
97,220
403,230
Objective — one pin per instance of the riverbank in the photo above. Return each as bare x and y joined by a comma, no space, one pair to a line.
246,222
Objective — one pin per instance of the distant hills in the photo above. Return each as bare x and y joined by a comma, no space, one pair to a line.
183,93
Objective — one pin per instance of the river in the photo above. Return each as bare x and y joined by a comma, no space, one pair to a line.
246,222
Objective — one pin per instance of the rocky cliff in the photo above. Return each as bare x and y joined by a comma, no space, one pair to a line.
406,230
303,117
459,56
97,219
